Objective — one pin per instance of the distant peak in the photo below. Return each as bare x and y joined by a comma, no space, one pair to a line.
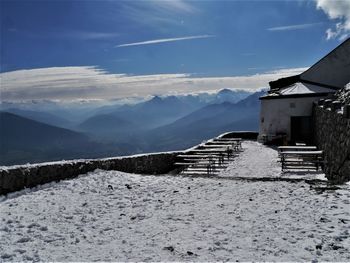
156,98
225,91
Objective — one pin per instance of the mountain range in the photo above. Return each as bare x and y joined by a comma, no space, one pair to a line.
25,140
205,123
158,124
124,120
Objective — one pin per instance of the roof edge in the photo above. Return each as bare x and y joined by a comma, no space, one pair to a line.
284,82
319,84
323,94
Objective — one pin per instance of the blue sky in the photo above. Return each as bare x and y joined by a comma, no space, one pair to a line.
201,38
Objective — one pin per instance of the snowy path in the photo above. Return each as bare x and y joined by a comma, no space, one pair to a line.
260,161
256,160
167,218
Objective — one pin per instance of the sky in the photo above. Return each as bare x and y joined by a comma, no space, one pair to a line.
66,50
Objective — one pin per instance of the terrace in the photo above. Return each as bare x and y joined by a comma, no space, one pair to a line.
249,210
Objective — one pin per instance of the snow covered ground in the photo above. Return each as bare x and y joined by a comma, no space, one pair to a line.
169,218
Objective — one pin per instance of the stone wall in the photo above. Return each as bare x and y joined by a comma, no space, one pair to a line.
332,135
19,177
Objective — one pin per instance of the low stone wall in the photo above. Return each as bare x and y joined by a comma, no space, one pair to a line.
332,135
24,176
19,177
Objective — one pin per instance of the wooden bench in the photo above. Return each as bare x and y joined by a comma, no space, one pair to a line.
297,148
227,139
193,156
209,156
301,159
234,141
209,166
211,150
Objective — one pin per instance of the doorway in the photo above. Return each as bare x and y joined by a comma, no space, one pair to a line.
301,129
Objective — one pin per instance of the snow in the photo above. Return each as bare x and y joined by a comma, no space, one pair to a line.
304,88
260,161
300,88
173,218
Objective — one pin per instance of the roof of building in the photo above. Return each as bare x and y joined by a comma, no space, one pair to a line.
328,74
304,88
333,69
299,89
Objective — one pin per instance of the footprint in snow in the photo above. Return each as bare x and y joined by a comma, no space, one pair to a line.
23,240
169,248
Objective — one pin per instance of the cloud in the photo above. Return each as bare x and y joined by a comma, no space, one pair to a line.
159,15
174,5
72,34
293,27
163,40
92,83
340,11
85,35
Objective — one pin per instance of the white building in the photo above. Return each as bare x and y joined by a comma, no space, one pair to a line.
286,111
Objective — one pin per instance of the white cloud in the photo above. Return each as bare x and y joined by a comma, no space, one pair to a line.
293,27
340,11
75,83
157,41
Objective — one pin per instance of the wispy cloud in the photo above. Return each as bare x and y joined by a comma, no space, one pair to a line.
164,40
92,83
293,27
157,14
339,11
173,5
73,34
85,35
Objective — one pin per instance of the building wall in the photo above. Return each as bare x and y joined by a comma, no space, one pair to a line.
275,114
